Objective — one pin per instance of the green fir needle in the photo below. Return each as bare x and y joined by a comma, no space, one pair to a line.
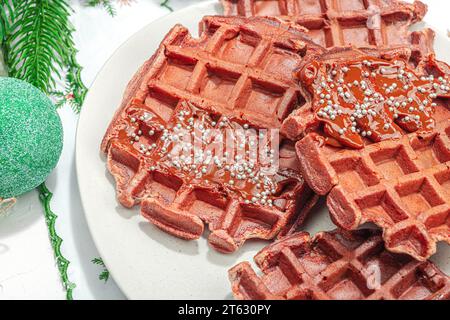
166,5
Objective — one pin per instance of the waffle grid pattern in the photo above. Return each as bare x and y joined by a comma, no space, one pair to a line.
339,23
233,69
402,186
336,265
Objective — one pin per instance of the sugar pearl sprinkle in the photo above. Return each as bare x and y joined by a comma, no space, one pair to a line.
244,173
374,99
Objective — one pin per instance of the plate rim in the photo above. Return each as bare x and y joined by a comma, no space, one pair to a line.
82,114
95,236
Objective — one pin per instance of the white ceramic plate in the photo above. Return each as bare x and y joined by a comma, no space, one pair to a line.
146,262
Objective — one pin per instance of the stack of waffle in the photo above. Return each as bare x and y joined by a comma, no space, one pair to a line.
259,68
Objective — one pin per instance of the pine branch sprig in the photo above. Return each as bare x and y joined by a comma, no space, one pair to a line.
75,90
104,275
6,17
39,44
165,4
39,48
98,261
106,4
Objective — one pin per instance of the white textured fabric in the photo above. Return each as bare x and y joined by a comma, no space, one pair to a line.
28,269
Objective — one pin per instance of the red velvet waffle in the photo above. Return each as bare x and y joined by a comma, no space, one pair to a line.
400,184
240,71
338,23
339,266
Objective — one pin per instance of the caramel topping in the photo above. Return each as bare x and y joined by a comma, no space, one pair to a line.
371,98
170,146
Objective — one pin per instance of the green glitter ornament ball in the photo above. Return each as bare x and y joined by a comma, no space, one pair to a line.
31,137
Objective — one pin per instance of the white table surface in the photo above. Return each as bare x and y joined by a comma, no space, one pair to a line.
27,265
